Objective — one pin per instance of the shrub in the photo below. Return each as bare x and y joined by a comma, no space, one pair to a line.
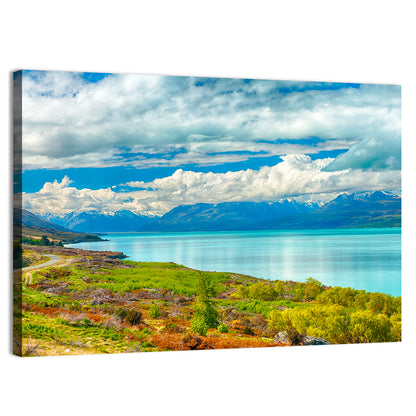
223,328
396,326
336,324
111,323
121,313
279,288
86,323
261,291
248,331
341,296
133,316
172,326
312,288
236,323
299,292
199,326
294,337
376,302
370,327
155,311
362,300
44,241
242,292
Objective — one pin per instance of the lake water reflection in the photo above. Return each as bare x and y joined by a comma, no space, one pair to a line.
367,259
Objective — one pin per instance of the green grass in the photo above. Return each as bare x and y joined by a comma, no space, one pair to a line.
87,333
75,314
34,297
166,276
258,306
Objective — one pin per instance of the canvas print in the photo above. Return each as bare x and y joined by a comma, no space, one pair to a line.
168,213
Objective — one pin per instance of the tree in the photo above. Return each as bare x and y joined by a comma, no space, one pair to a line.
396,326
367,326
299,292
262,291
376,302
44,241
242,292
205,314
312,288
283,321
279,288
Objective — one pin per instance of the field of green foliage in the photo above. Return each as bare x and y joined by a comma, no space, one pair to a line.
105,305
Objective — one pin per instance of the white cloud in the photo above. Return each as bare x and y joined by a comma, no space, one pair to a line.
297,176
69,122
379,153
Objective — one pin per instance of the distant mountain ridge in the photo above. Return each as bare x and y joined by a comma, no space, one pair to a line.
226,216
365,200
25,217
28,225
364,209
95,222
359,210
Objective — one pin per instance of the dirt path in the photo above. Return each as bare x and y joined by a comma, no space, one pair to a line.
53,259
29,269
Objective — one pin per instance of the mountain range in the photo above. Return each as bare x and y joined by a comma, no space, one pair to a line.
96,222
366,209
226,216
28,225
360,210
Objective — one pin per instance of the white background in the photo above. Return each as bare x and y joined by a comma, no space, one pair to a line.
352,41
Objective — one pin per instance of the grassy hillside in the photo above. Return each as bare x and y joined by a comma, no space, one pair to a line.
94,302
29,226
24,231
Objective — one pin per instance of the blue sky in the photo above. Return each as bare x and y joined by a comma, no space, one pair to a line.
97,178
148,143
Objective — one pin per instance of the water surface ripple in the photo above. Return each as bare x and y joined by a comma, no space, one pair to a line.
367,259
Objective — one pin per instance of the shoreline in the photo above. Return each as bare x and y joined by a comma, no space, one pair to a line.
71,251
277,254
98,302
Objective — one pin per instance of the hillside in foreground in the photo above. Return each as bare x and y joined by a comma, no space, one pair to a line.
95,302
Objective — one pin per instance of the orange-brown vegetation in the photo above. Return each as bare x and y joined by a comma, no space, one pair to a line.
95,302
178,342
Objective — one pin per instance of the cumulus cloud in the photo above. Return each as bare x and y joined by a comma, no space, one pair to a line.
60,198
371,153
296,176
69,122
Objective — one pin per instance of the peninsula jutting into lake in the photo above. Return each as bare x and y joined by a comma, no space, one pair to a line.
160,213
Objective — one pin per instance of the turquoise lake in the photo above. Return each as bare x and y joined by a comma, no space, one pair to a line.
367,259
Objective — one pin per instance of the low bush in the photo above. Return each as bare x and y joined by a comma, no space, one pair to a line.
337,324
362,300
199,325
155,311
121,313
223,328
248,331
133,316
